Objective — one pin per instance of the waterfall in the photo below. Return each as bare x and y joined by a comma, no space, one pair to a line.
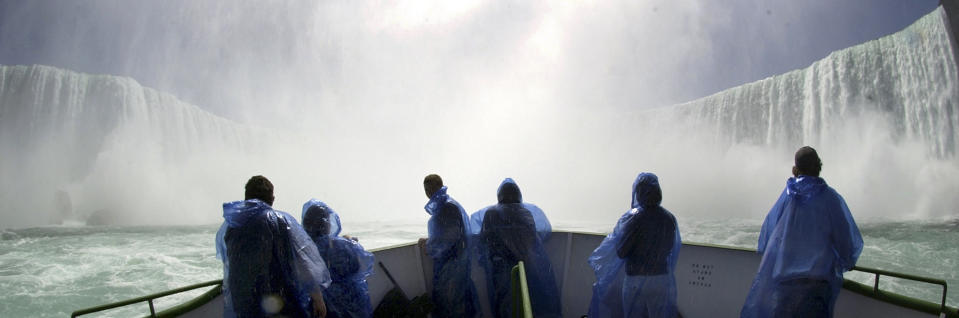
883,115
908,79
107,142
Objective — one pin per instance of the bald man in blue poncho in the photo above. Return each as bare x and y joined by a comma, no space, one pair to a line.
635,264
808,240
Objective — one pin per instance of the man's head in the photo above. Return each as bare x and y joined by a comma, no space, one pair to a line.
431,184
259,187
807,162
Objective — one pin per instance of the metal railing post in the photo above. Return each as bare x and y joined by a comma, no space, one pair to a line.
943,308
875,286
520,292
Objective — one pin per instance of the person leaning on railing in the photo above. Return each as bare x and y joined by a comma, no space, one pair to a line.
808,240
349,263
512,231
448,245
270,265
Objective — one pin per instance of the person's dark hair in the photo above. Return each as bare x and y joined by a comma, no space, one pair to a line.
259,187
431,184
807,162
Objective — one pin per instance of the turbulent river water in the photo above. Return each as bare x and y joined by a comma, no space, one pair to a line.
52,271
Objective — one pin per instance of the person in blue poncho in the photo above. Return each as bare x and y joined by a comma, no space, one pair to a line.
270,266
543,228
454,294
635,264
349,264
808,240
512,231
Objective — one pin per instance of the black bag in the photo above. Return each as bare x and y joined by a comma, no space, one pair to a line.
396,305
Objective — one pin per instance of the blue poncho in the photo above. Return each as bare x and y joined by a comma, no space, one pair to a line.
270,265
808,240
349,263
543,228
635,264
511,232
449,245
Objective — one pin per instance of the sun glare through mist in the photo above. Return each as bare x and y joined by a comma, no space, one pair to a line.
354,103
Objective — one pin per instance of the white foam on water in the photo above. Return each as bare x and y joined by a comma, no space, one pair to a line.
50,272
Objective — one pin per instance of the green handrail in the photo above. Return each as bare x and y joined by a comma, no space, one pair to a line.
878,272
147,298
520,290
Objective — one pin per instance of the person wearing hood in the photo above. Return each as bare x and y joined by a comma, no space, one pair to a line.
807,241
270,265
349,264
541,223
449,245
512,231
635,265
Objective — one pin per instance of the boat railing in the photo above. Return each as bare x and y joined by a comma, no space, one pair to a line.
148,298
879,272
521,304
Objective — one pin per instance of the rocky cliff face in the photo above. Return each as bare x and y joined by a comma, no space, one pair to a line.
951,9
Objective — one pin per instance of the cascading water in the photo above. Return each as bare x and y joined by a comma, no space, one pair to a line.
105,143
883,115
908,79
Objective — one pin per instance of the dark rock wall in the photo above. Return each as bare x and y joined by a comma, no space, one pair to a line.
952,17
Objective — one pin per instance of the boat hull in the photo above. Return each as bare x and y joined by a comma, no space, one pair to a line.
712,281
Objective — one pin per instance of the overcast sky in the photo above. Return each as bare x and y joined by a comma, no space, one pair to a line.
279,59
474,90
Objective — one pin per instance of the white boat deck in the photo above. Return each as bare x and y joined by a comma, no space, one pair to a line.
712,281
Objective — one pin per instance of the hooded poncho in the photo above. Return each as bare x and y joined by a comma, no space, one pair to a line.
807,241
543,228
635,264
513,231
270,265
449,245
349,264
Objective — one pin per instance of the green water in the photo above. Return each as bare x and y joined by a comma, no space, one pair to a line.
50,272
